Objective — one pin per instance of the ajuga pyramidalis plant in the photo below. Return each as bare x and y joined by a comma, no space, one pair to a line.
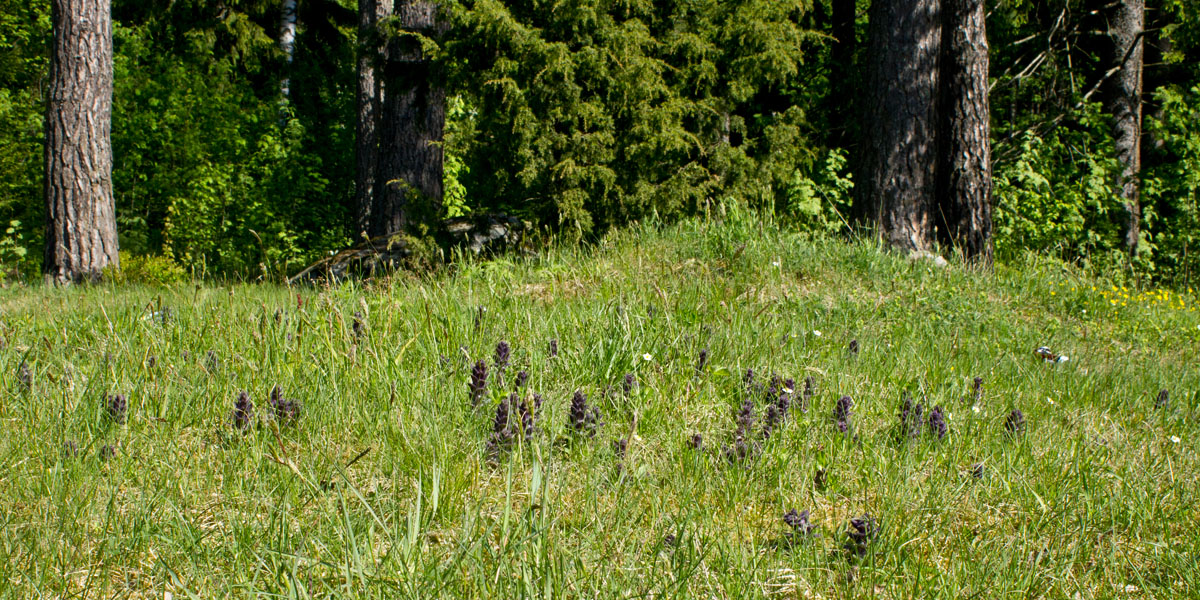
1015,423
584,419
243,412
116,407
478,383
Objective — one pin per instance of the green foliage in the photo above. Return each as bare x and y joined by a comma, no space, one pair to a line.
594,114
145,270
821,201
1171,187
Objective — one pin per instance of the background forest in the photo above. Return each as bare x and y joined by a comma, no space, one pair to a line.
234,156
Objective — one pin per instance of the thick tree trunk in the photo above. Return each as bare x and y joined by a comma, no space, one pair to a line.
1125,104
965,215
287,43
81,226
898,155
408,185
371,54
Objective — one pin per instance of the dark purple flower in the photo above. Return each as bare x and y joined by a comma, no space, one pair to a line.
628,384
151,362
243,411
502,431
116,408
522,378
978,388
211,362
854,347
553,348
912,420
937,422
1015,423
771,421
24,377
977,470
702,361
584,419
107,451
70,449
1164,398
620,446
478,383
286,411
696,442
798,522
741,450
745,417
843,409
862,531
503,353
357,326
748,378
819,479
810,388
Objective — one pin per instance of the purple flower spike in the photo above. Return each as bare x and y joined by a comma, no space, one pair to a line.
478,383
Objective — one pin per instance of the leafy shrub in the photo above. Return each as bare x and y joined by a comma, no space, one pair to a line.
149,270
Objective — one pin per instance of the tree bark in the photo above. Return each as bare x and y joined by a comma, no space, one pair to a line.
408,185
1125,104
371,53
287,43
898,154
81,226
965,213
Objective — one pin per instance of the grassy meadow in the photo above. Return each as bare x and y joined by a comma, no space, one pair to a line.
373,474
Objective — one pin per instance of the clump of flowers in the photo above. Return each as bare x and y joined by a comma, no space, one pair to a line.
1015,423
977,470
937,422
286,411
978,388
478,383
748,378
503,352
810,388
842,411
798,523
629,384
702,361
854,347
243,411
358,326
911,418
107,452
584,419
553,347
116,407
522,378
502,431
743,446
1164,398
151,362
861,532
24,377
696,442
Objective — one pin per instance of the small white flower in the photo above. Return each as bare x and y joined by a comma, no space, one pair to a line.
1049,400
646,357
774,263
1175,439
975,409
817,333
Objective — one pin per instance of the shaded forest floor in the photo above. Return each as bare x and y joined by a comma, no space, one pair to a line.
371,474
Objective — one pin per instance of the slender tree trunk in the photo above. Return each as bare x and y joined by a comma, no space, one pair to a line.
898,154
371,54
287,43
1125,104
408,185
965,215
81,226
842,80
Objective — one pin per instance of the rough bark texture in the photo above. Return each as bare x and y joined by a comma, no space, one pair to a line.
408,184
1125,104
965,194
81,227
898,154
371,54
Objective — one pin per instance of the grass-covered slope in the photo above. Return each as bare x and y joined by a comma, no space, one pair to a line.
389,483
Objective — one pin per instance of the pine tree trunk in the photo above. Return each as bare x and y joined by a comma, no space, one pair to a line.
1125,104
371,53
287,43
965,213
81,226
898,155
408,185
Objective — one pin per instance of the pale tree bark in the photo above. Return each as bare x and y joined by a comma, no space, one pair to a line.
1125,103
898,155
408,184
965,215
81,227
287,43
371,55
